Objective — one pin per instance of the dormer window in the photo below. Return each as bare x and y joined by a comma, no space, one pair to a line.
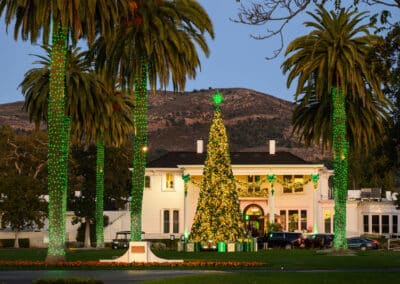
169,185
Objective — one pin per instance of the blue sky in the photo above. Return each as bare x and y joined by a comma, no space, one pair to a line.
236,60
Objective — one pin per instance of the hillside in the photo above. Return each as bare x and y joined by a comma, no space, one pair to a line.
177,120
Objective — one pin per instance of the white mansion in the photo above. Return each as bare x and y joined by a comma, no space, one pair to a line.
299,198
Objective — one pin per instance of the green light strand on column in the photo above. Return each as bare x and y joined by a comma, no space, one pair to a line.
271,179
340,167
100,155
315,179
56,147
139,153
186,179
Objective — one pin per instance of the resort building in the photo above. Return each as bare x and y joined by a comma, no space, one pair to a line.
273,187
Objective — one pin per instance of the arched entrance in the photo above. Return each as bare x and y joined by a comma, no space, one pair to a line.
254,220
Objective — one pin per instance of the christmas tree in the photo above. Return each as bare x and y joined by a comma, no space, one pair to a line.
218,215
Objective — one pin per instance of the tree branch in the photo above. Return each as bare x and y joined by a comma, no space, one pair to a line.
267,12
276,14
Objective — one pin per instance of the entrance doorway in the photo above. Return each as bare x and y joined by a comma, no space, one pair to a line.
254,220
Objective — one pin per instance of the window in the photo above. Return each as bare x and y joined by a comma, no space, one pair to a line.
253,183
293,183
395,224
170,221
169,181
175,221
366,223
375,224
327,221
283,219
303,220
166,221
293,220
147,181
385,224
298,183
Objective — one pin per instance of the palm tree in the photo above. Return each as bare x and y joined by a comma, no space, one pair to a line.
97,112
365,126
332,60
157,44
63,20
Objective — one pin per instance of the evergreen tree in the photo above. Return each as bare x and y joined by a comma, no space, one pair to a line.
217,216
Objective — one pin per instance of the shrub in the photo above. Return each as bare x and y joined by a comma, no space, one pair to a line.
164,244
75,280
9,243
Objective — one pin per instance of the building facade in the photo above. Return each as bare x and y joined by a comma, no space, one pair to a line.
273,187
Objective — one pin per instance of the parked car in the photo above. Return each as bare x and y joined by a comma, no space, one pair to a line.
362,243
121,240
318,241
287,240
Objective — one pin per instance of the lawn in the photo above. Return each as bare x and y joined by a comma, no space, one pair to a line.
280,278
299,259
275,259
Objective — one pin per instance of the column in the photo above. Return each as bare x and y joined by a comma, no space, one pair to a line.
315,179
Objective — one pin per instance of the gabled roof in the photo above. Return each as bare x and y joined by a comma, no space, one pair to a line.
173,159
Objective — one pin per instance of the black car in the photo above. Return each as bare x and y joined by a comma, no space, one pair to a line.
362,243
121,240
287,240
319,241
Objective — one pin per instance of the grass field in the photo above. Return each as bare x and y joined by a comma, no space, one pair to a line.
275,259
284,278
271,273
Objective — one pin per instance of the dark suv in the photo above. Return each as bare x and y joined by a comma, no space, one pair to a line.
121,240
319,241
287,240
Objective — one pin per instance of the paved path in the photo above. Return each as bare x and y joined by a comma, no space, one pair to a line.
139,276
107,276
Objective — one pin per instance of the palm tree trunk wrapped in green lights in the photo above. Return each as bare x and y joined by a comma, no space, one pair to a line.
340,164
100,153
57,166
139,153
217,217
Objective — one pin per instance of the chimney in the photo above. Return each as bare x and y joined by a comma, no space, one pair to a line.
199,146
272,147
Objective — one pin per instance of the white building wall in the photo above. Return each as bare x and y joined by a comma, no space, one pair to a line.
157,199
296,201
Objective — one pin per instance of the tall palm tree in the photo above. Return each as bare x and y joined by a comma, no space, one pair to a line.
157,44
63,20
98,113
332,60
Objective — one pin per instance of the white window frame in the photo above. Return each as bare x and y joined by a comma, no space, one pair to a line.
164,186
170,221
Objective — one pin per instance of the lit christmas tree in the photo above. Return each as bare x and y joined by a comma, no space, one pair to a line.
218,215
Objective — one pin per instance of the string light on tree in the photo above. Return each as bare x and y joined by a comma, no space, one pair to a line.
340,165
100,193
217,217
57,154
139,152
